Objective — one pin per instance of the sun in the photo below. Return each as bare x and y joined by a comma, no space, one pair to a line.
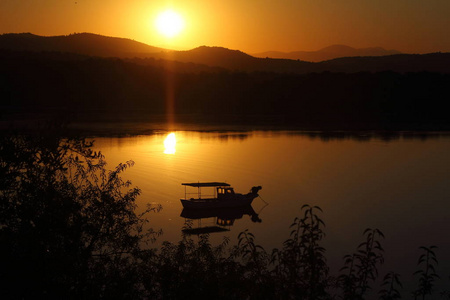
169,23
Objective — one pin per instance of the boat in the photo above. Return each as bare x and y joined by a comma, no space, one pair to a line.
220,195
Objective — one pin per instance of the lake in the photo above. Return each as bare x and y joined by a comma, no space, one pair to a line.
399,184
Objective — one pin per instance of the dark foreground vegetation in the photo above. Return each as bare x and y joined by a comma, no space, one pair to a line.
76,86
69,230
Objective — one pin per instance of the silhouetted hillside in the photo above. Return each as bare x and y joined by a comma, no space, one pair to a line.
214,56
331,52
199,58
238,61
235,60
81,43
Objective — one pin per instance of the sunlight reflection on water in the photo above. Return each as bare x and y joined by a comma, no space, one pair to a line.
170,143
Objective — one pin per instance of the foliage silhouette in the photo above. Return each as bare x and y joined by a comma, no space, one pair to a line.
301,266
390,281
361,266
68,225
427,274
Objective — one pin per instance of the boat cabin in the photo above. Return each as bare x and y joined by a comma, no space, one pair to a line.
224,191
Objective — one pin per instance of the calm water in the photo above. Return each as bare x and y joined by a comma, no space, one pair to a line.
401,186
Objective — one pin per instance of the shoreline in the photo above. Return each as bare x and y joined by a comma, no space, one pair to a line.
158,124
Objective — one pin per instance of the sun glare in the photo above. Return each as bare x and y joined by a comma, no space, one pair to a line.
169,23
169,144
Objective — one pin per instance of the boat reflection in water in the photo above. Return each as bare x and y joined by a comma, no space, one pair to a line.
215,219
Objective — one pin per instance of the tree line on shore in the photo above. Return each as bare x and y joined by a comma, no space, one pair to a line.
72,85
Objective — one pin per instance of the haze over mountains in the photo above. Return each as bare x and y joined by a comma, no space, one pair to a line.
352,60
331,52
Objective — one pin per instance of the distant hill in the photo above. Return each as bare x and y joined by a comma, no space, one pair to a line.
80,43
328,53
235,60
402,63
213,59
211,56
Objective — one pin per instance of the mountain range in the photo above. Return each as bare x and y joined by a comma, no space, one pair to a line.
87,77
202,58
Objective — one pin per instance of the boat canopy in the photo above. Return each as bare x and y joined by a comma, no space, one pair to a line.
206,184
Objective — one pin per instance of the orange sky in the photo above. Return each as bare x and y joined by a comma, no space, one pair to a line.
412,26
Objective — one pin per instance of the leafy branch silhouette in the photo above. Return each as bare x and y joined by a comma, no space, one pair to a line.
427,274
